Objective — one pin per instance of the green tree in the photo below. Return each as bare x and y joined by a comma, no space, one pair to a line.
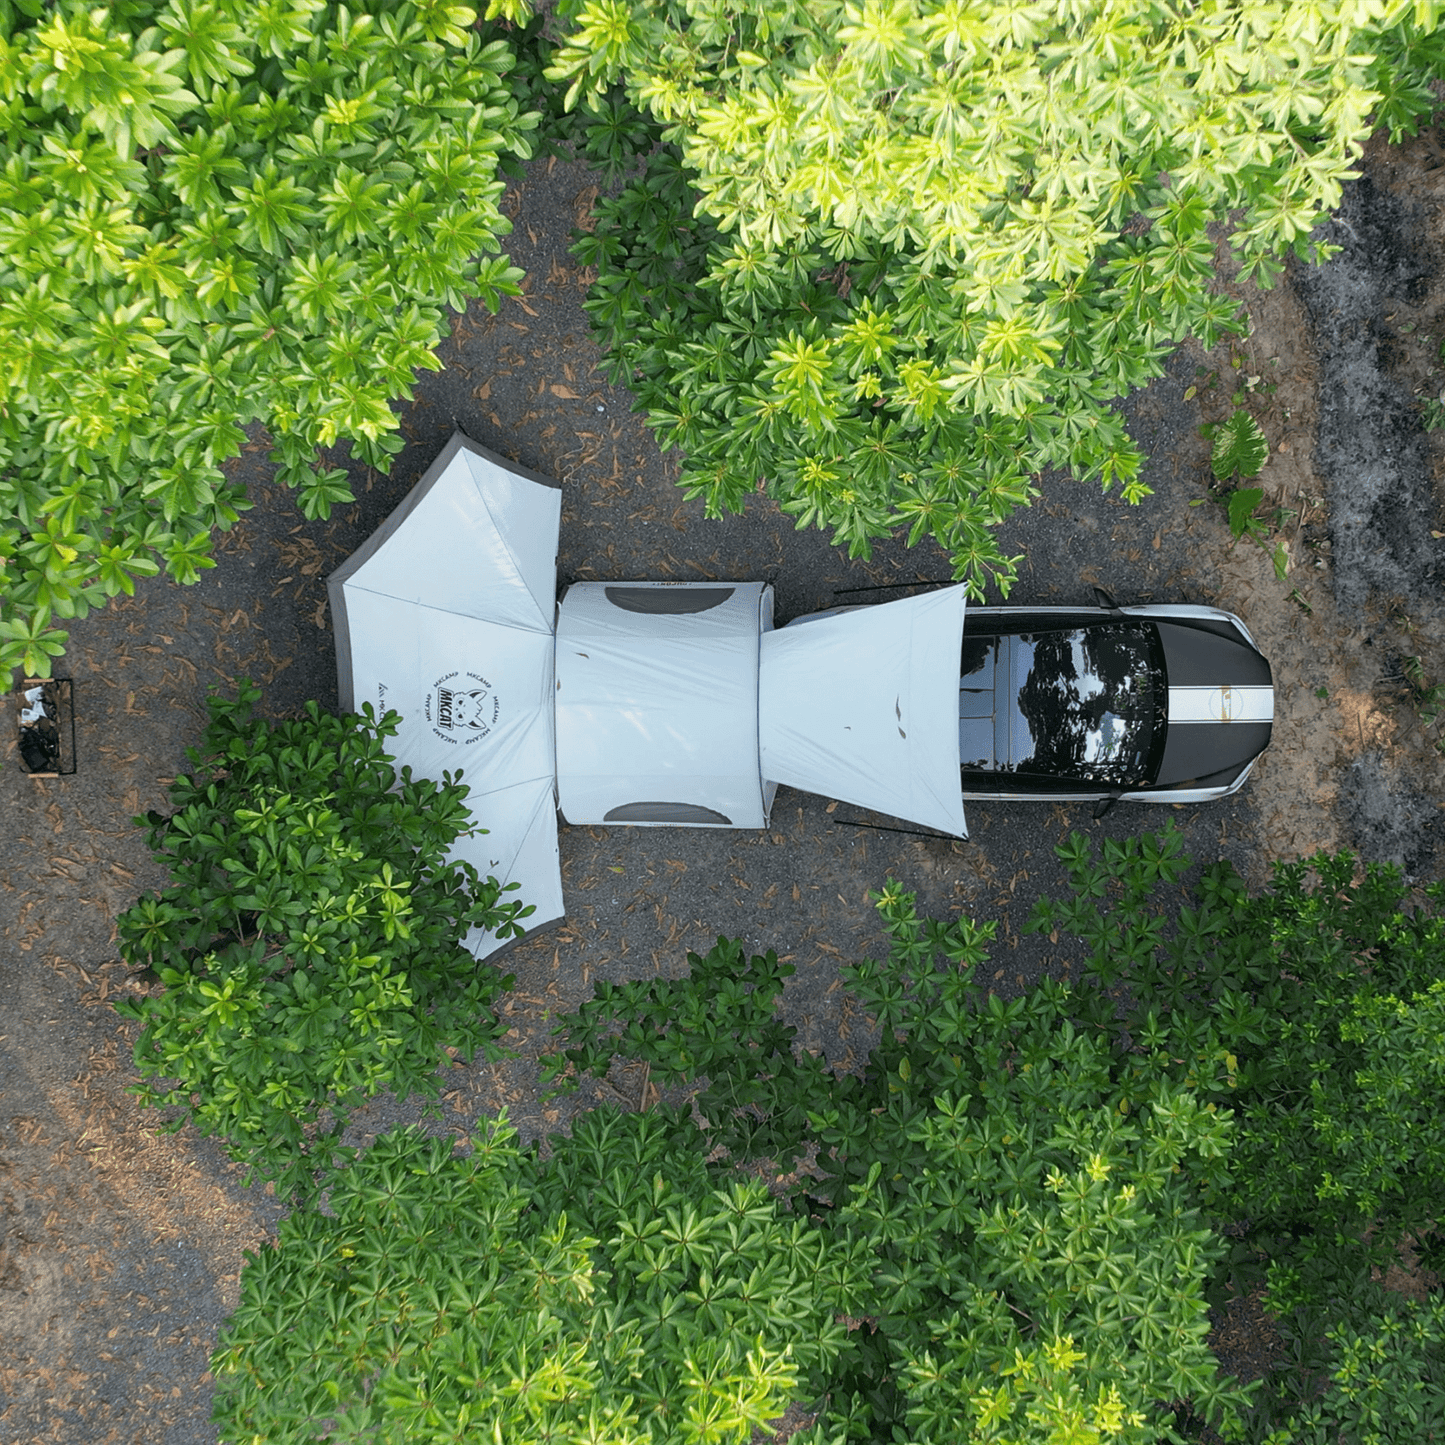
213,214
1043,1257
308,943
1017,1208
934,241
1029,1223
1236,1089
610,1296
1316,1009
718,1025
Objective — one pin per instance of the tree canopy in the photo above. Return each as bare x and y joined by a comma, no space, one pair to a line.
1006,1228
309,942
933,242
613,1295
213,214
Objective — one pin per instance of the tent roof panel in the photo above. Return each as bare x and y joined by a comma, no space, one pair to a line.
659,707
476,535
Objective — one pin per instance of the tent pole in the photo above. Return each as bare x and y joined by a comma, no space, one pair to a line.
894,586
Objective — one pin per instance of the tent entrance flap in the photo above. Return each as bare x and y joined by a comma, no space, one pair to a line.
862,706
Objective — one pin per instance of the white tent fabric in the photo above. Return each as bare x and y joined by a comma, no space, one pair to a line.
446,615
862,705
657,703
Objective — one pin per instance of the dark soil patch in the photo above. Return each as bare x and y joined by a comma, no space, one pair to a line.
1371,447
1391,821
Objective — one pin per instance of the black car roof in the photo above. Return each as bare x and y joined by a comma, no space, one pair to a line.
1196,652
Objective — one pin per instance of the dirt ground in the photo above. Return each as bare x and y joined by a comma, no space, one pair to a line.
120,1247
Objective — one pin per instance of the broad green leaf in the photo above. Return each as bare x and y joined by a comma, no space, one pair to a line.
1239,447
1242,504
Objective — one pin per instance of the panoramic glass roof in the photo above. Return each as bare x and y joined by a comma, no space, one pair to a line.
1074,704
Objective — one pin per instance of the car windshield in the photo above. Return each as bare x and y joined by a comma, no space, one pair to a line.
1070,704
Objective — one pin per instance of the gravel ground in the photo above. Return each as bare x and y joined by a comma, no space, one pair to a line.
120,1248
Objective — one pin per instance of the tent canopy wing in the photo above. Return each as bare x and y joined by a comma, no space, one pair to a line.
474,696
445,616
477,536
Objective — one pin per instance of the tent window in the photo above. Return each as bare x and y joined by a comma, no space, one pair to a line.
664,813
659,601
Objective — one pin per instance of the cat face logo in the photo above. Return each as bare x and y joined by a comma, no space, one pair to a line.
462,707
1225,704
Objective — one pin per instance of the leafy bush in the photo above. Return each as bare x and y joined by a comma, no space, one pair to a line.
1025,1173
309,941
718,1024
892,261
1316,1009
1011,1208
1374,1374
732,366
610,1296
212,214
1037,1267
1348,1143
1042,1259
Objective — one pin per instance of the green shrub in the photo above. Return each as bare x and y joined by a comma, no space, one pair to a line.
309,939
1372,1375
611,1296
1028,1174
1316,1009
719,1025
1036,1262
888,262
1005,1229
213,214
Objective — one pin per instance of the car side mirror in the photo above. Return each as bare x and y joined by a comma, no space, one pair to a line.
1104,806
1104,599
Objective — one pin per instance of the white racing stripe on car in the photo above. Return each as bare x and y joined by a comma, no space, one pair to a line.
1221,704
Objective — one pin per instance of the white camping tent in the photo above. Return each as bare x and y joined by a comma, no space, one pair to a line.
653,703
657,703
678,704
446,615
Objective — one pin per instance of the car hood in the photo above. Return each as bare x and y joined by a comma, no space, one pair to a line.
1221,704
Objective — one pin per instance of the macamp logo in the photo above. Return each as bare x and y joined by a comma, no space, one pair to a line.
462,707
